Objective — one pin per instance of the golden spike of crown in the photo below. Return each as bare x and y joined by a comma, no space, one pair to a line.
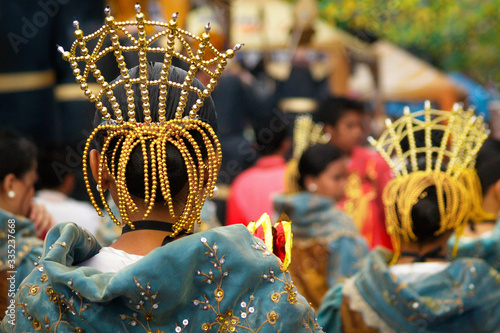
143,44
463,136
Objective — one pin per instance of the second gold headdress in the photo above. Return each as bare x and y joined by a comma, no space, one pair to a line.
446,143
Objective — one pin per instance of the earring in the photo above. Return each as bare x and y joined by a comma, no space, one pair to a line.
11,194
216,190
312,187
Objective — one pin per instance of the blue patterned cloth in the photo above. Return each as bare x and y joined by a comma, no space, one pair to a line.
221,280
316,219
24,251
484,247
465,297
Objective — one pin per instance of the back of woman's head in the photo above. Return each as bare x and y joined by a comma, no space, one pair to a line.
177,171
315,160
425,212
426,216
17,154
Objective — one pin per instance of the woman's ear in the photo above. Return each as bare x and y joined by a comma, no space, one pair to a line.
94,161
8,183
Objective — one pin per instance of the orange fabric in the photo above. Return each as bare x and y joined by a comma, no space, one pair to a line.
309,271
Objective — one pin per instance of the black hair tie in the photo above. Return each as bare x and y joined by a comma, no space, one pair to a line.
154,225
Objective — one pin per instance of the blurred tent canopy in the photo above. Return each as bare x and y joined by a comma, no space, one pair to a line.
404,77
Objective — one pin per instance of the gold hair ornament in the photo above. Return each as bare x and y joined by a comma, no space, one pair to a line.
151,136
463,136
306,133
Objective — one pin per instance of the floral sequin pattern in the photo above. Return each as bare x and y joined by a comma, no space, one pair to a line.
73,305
235,320
144,307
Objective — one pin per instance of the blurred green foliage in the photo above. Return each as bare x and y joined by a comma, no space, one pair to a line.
461,35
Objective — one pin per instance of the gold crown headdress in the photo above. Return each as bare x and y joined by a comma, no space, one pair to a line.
131,133
306,133
462,135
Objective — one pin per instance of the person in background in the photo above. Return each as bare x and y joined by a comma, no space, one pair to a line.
327,247
23,222
251,192
56,183
417,288
368,173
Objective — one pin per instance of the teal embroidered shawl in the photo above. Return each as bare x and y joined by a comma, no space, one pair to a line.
465,297
221,280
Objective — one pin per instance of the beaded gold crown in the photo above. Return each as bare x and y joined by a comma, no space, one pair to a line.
462,136
130,133
439,149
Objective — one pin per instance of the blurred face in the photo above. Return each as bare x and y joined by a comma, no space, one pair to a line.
331,182
24,190
348,132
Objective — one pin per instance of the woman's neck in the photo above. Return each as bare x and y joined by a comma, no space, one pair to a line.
429,252
141,242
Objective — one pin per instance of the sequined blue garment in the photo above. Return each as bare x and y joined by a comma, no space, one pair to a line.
315,218
485,247
22,245
221,280
464,297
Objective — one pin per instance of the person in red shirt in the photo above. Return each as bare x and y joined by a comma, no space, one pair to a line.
368,172
251,192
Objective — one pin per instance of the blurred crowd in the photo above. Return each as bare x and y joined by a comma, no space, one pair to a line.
331,186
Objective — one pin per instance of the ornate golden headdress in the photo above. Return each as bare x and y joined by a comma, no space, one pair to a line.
460,136
131,133
306,133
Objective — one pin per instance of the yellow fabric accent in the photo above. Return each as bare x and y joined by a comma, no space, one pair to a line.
287,228
265,222
26,81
